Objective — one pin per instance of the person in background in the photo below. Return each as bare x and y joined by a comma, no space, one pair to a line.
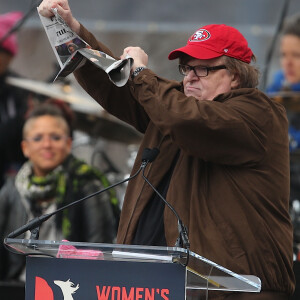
13,101
288,78
224,155
51,178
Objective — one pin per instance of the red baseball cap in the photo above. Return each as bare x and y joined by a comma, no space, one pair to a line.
213,41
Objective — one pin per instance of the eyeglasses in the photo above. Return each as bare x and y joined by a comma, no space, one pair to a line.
199,71
55,138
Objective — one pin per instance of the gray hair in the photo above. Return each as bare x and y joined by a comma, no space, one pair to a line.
248,74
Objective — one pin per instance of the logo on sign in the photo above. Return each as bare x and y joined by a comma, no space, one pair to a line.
44,292
68,288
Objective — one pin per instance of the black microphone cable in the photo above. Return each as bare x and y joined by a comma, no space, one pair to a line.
36,222
149,155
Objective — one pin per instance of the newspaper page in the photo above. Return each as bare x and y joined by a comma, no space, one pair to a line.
72,52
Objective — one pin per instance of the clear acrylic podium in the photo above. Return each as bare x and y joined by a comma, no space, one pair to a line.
202,275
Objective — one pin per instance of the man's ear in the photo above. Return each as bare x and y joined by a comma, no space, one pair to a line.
235,81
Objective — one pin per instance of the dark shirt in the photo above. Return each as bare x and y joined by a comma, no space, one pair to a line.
150,229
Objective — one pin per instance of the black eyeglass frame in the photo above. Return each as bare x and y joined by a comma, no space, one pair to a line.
191,68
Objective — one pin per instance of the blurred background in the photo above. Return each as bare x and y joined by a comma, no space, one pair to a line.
158,26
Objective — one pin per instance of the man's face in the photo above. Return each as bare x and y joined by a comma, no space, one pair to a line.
290,58
215,83
46,143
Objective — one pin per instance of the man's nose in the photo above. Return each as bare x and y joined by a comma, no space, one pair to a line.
191,74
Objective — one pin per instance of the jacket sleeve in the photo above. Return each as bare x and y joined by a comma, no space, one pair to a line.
98,218
12,216
3,211
118,101
231,129
3,222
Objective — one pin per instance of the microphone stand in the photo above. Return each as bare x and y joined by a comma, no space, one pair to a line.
182,240
34,225
148,156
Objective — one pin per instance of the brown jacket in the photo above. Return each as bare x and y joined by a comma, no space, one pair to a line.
230,185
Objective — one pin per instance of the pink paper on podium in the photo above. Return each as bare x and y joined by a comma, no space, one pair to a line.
69,251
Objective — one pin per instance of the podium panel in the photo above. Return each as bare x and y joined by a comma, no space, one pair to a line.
100,279
201,274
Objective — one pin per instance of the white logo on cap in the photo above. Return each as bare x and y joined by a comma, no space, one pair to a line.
225,50
200,35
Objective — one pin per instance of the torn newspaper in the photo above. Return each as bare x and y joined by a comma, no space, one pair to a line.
72,52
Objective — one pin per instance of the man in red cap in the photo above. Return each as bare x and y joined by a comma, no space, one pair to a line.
224,155
13,101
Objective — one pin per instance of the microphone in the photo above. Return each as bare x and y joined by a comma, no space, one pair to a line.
149,155
34,224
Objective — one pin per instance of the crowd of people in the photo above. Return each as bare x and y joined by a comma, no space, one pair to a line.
223,161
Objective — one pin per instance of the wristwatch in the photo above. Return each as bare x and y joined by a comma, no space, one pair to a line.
137,71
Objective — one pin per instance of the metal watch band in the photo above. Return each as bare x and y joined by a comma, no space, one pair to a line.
137,71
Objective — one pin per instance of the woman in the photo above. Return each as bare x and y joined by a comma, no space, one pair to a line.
51,178
288,79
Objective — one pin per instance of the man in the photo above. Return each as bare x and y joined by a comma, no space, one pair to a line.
223,162
52,178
